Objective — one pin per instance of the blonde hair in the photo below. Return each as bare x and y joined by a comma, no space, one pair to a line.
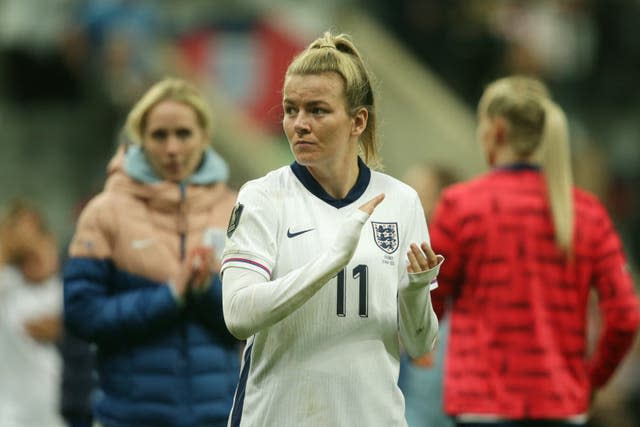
538,127
19,208
17,211
173,89
337,54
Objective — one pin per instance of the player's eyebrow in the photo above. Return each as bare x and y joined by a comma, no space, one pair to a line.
312,102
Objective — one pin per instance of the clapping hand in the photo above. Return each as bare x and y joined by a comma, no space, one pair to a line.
421,258
204,265
197,270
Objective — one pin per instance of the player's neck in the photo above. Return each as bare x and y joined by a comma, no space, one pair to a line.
507,156
337,180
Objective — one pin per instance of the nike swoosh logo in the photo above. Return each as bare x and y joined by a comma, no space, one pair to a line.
290,234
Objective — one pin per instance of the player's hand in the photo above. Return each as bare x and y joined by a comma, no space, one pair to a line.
425,361
45,328
349,233
180,283
421,258
370,206
205,264
197,270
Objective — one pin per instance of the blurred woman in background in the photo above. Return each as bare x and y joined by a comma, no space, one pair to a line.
142,278
523,249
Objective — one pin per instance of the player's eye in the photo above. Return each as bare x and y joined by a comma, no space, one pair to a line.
159,135
184,133
289,110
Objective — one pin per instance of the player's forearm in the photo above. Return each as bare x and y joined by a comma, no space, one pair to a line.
613,345
251,303
418,321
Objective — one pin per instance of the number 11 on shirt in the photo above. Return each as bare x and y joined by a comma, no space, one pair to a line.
360,273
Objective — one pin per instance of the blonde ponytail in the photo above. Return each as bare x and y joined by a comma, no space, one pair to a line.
556,166
338,54
538,131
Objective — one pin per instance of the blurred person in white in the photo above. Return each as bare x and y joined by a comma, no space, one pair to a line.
421,377
320,274
30,319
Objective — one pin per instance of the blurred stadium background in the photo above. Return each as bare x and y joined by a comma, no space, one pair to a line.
71,69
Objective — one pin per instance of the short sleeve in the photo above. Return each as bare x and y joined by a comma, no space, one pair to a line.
251,241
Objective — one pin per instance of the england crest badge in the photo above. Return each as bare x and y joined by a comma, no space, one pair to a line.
385,235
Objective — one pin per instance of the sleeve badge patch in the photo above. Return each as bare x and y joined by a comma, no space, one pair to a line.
235,219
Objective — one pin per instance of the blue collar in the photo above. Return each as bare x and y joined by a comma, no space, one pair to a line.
519,166
310,183
212,169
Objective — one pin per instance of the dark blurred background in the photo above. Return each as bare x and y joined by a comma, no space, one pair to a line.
71,69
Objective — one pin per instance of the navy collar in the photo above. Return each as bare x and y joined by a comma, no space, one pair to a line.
519,166
310,183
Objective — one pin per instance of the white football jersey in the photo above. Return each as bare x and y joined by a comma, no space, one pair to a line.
335,360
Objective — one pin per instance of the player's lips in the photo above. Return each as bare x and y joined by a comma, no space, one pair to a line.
172,167
301,143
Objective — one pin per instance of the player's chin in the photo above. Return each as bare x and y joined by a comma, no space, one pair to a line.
173,174
304,158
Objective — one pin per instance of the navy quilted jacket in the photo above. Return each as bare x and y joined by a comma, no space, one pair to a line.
160,362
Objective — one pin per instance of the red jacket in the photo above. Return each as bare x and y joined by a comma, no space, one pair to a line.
518,307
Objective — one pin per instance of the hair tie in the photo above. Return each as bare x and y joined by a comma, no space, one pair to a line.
329,46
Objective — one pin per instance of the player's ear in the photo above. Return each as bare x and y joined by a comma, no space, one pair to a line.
500,130
360,119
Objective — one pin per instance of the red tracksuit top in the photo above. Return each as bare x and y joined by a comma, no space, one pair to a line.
518,308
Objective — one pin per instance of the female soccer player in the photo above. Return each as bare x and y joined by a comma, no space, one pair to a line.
523,249
320,275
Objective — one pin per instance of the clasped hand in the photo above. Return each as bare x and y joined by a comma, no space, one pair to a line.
197,270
